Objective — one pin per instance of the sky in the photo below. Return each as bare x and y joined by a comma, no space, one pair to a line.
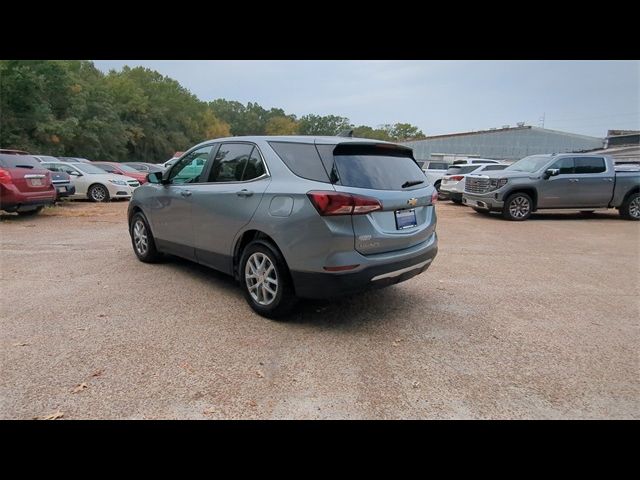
584,97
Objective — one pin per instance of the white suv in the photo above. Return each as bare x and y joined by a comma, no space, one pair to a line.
94,183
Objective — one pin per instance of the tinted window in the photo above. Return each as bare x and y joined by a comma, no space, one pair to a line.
189,167
14,161
437,166
461,170
230,162
589,165
302,159
494,167
59,167
255,167
377,167
565,165
481,161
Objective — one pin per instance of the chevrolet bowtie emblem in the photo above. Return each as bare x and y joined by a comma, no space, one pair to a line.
412,201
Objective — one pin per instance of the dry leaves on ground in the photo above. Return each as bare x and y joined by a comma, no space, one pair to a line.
259,374
52,416
79,388
21,344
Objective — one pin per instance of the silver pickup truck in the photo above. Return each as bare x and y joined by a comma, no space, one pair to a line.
558,181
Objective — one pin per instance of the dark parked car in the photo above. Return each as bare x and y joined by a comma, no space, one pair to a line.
25,187
63,184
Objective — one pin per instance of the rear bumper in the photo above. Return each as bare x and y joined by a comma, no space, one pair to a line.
11,199
446,195
331,285
65,190
485,202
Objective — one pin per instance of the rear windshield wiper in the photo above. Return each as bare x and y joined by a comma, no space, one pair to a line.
24,166
411,184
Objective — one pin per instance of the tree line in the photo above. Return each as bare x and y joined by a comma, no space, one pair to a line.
70,108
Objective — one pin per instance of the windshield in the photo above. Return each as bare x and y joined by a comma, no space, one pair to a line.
88,168
127,168
529,164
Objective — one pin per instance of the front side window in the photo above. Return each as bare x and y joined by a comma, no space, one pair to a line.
189,167
565,165
230,162
589,165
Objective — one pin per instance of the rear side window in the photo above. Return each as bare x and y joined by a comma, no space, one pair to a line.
461,170
378,167
494,167
15,161
589,165
302,159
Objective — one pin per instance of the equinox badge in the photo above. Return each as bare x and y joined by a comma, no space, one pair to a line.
412,202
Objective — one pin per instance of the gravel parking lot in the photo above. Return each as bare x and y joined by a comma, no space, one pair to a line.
514,320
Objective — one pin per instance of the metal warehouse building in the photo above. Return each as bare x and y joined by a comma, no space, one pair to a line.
507,143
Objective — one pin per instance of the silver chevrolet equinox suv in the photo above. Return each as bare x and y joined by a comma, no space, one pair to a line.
291,216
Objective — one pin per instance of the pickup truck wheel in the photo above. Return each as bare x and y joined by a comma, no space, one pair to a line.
265,280
630,209
517,207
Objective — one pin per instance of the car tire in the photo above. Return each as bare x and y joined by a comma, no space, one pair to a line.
98,193
437,186
142,241
28,213
456,201
517,207
481,211
271,295
587,213
630,209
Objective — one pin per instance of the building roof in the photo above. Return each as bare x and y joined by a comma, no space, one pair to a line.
507,129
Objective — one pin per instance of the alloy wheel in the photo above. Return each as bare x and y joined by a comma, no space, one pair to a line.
519,207
140,238
634,208
261,278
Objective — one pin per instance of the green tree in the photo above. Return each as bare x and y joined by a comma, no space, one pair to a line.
405,131
281,126
322,125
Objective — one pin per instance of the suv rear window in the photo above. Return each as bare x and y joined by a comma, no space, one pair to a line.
438,166
13,161
461,169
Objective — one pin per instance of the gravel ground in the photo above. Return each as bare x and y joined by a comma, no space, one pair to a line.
513,320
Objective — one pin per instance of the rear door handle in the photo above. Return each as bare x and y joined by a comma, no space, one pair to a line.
185,193
244,193
574,180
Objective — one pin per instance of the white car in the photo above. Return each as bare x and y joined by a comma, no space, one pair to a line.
452,184
94,183
434,171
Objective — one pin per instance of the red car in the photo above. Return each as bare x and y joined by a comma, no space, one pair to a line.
25,187
121,169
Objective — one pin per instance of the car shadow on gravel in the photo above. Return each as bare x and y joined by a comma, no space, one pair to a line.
556,216
359,310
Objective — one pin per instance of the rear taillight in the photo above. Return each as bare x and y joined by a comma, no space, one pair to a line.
5,177
456,178
335,203
434,197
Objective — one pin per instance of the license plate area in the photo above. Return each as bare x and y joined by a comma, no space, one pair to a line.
405,219
35,182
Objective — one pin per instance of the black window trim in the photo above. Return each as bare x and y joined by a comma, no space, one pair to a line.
167,173
606,166
212,160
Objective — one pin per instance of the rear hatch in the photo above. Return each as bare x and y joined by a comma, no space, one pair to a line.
27,174
389,174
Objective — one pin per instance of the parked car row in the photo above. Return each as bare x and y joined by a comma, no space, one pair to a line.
29,182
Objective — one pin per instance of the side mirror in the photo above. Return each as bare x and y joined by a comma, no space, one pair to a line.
154,177
551,172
